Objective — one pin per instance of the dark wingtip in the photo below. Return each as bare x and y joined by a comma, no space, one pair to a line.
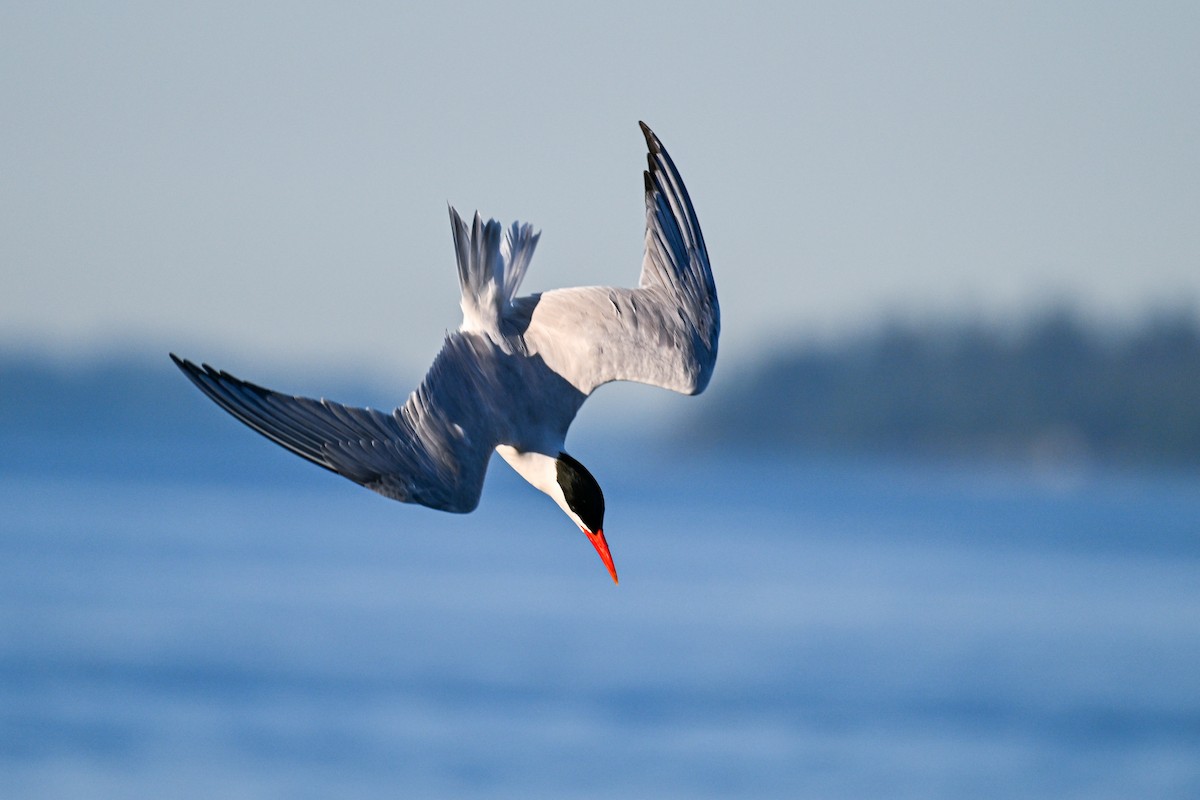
182,363
198,371
652,141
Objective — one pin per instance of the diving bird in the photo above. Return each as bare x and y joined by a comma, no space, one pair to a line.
513,376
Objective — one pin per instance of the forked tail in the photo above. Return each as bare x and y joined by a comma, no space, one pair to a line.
491,263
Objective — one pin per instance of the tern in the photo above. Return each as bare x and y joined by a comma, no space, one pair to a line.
513,376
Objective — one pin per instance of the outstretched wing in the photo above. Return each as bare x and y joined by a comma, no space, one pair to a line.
663,333
420,453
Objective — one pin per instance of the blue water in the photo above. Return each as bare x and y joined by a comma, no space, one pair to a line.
181,620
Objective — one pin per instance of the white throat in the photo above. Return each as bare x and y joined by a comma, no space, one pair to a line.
541,471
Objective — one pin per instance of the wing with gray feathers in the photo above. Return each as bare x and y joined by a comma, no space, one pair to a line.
433,451
663,333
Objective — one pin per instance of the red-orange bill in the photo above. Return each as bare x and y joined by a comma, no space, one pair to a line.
601,544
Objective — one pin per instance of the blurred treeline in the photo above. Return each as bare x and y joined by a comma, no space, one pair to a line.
1054,387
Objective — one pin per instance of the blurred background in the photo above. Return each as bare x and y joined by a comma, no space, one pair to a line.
933,531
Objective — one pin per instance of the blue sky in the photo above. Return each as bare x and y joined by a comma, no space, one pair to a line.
264,185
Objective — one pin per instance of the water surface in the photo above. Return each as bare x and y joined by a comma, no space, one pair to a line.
179,619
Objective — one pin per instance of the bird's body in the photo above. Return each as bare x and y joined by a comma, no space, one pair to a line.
517,371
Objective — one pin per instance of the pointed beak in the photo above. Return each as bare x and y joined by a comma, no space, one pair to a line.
598,541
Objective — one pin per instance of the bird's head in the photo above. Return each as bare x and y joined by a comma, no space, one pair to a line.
583,502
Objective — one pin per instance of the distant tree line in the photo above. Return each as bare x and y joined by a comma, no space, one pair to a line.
1055,387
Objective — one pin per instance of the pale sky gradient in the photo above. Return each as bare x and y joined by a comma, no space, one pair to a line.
264,185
